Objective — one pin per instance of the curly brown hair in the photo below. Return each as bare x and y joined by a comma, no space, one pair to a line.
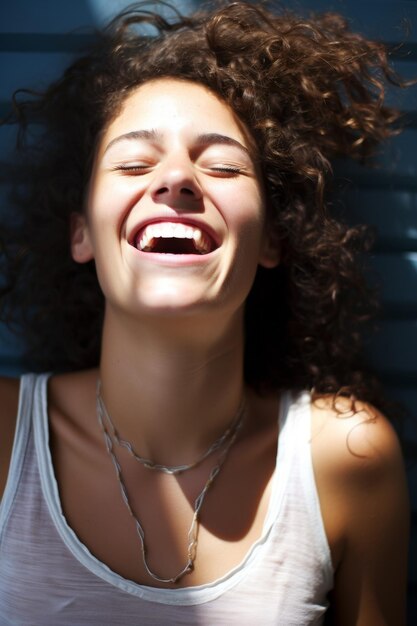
306,89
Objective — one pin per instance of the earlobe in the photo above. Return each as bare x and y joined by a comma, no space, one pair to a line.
81,248
270,254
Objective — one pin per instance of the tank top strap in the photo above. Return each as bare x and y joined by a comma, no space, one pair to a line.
294,419
295,464
293,426
22,436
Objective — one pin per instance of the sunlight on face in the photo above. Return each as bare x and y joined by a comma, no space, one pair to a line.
175,210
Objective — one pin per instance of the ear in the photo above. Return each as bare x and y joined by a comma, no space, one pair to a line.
270,255
81,247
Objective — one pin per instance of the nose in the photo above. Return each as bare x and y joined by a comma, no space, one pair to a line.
175,184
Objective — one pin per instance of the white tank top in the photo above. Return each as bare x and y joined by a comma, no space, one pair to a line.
49,578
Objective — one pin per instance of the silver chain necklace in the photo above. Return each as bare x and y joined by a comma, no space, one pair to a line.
198,503
167,469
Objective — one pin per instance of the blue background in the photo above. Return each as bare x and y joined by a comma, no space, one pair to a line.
38,39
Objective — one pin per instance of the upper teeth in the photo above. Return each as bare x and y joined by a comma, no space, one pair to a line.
173,229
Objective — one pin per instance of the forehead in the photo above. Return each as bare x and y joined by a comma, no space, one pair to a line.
177,106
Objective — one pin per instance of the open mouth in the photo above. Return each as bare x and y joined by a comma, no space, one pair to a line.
174,238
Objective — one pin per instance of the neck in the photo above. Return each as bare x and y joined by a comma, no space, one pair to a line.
171,387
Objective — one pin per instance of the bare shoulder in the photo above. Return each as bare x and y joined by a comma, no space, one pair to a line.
9,399
353,439
363,496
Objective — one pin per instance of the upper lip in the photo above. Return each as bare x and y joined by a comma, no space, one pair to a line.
188,221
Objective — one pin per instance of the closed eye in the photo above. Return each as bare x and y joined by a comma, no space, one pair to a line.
226,169
136,168
142,168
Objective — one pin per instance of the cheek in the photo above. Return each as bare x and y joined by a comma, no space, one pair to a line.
108,206
246,227
247,220
240,202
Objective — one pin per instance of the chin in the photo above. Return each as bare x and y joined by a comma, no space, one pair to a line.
173,303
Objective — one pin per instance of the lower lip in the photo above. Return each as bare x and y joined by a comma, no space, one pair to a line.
174,259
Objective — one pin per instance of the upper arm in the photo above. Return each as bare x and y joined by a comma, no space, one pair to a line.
364,500
9,397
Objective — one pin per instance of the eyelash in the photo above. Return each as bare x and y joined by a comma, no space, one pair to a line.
131,168
227,169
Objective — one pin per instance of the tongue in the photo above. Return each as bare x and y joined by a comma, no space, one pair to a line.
168,245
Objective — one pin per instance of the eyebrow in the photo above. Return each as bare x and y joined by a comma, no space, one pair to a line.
215,138
205,139
134,135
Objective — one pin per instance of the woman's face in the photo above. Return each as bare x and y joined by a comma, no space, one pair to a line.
175,214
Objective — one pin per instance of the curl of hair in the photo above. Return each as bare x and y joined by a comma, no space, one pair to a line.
307,90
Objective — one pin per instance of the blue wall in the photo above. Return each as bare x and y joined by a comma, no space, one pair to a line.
386,197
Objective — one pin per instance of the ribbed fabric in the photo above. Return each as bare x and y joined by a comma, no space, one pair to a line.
49,578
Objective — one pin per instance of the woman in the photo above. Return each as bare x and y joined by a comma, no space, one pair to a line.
205,452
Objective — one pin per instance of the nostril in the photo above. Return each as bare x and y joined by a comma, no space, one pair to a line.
162,190
186,191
